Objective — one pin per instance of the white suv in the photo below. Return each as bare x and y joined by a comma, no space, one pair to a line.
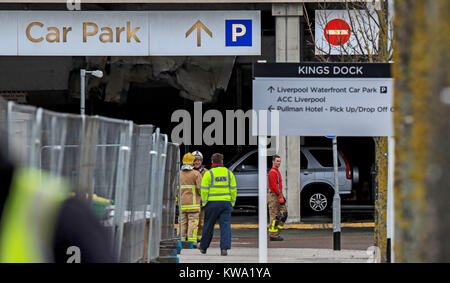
316,177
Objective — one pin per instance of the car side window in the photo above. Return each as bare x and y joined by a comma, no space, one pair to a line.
303,161
250,163
324,157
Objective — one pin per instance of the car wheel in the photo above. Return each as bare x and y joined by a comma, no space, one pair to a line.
317,202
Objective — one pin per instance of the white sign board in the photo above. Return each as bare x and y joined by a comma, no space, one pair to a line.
343,32
326,99
8,33
130,33
83,33
205,33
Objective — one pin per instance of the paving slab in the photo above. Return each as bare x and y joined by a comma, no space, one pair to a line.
278,255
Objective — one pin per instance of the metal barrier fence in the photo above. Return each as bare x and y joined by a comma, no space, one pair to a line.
23,126
3,126
171,182
125,171
138,195
159,153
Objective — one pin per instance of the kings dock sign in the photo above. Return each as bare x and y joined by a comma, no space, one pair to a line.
326,99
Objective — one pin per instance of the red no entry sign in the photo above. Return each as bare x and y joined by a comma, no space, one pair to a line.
337,32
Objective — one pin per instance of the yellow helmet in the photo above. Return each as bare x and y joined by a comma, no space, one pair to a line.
188,158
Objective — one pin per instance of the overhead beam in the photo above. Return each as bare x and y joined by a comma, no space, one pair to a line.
178,1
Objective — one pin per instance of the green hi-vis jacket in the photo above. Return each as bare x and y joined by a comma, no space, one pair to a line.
219,184
29,217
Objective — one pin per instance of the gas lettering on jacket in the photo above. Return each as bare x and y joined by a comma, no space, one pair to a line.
221,179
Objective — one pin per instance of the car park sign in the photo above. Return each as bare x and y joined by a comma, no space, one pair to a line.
130,33
238,32
218,33
326,99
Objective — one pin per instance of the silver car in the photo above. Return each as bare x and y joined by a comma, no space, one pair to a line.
316,177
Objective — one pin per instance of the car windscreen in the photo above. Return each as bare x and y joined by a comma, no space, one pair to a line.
251,161
233,159
324,157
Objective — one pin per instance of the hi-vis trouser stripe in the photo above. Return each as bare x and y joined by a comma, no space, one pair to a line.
194,234
194,204
274,227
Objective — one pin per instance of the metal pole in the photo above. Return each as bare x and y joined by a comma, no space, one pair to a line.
154,153
391,165
336,202
180,228
390,199
262,184
262,198
82,90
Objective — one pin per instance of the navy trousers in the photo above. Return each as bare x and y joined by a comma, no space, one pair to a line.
217,210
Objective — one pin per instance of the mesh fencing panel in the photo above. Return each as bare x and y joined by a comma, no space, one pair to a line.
159,153
23,134
59,149
138,195
170,193
3,127
111,174
124,171
153,249
160,188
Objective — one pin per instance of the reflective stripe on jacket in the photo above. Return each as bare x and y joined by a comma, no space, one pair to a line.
219,184
29,217
190,181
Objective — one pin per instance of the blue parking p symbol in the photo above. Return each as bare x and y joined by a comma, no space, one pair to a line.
238,32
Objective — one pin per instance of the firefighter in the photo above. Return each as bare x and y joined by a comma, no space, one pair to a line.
190,183
198,165
276,201
218,199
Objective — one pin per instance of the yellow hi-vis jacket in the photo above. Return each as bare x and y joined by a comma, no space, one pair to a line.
190,181
29,217
219,184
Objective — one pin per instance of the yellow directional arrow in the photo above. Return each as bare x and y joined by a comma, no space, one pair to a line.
199,26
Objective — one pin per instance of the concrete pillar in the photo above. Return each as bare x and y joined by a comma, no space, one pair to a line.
287,34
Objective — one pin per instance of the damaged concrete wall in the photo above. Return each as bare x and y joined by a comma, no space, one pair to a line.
197,78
